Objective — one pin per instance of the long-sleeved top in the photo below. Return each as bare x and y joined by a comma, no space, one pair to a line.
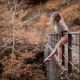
60,27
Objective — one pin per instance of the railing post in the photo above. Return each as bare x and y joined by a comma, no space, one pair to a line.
63,52
54,38
51,65
69,53
63,59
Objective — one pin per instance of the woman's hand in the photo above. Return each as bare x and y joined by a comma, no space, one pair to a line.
47,59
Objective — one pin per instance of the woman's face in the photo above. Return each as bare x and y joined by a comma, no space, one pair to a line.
57,19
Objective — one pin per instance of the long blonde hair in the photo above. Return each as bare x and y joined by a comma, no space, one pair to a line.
51,19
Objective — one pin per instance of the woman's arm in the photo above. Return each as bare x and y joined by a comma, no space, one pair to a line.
49,57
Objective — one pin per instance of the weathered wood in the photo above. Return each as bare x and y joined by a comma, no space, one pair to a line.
74,33
52,69
51,66
63,53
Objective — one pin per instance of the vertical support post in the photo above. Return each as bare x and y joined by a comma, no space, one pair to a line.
63,52
51,66
54,38
69,53
63,59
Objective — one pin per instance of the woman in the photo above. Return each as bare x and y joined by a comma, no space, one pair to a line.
60,28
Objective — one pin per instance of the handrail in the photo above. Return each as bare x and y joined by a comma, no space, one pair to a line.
74,33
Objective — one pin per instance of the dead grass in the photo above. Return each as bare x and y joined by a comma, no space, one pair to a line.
25,65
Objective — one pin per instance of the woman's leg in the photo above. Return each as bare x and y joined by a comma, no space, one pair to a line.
62,41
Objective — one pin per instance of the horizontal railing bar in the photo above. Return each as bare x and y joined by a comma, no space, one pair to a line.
73,33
